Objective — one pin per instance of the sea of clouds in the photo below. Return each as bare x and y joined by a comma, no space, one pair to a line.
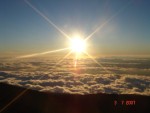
119,75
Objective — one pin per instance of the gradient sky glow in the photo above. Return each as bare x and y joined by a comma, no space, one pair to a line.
22,30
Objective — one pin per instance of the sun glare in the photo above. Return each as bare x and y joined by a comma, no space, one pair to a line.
78,45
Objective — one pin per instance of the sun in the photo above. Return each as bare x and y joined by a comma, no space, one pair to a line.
78,45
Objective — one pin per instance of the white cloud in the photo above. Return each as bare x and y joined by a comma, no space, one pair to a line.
43,76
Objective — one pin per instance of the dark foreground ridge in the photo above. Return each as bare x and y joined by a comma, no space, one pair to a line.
39,102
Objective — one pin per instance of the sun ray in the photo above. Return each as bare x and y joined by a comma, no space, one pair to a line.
108,20
75,60
57,63
43,53
63,58
98,63
46,18
13,100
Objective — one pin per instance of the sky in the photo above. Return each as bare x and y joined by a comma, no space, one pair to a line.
124,25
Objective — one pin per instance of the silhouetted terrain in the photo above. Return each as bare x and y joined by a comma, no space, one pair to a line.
39,102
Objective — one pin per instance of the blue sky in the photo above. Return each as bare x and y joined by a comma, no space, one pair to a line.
22,30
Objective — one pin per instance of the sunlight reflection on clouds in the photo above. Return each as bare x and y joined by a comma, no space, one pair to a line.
129,78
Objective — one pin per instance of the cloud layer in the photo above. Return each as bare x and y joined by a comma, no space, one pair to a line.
118,75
